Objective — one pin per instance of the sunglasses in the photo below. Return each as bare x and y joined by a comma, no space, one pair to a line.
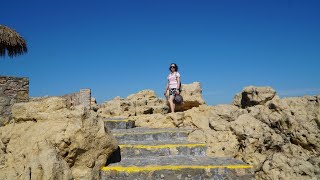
172,67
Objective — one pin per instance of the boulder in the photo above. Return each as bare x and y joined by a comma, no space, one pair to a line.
46,140
143,102
251,96
192,96
279,137
153,120
293,163
147,102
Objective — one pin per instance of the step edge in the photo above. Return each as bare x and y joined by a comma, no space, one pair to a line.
122,120
158,132
134,169
143,146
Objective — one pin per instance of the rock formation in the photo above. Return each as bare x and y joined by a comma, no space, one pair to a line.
146,102
279,137
46,140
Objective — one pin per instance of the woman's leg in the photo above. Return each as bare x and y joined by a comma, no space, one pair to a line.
172,105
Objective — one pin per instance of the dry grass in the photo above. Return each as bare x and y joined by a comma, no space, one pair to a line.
11,43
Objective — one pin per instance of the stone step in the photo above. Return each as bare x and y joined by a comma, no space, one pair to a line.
177,167
142,134
118,123
161,148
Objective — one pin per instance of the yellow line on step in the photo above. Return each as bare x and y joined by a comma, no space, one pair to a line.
133,169
117,120
155,132
158,146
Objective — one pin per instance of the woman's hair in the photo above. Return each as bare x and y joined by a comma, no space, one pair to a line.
174,65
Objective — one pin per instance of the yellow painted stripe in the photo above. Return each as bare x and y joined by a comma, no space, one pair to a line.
158,146
133,169
115,120
150,133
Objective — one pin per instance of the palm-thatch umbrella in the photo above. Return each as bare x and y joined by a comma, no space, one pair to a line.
11,42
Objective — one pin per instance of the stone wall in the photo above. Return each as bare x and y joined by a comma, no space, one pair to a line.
12,90
79,98
83,97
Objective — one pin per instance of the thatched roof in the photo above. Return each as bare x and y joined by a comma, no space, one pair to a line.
11,43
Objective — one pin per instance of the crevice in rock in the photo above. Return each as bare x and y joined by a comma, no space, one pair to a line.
317,122
210,126
272,107
114,157
309,147
30,173
75,153
241,140
65,154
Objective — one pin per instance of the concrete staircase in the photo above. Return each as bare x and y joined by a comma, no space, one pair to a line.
165,154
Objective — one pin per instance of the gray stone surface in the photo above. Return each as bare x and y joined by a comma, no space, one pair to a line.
141,134
83,97
165,154
162,148
178,167
118,124
183,174
12,90
178,161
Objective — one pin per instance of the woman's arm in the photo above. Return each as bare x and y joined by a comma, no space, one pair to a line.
167,87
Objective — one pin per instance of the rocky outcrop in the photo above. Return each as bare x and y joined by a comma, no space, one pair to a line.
192,96
279,137
251,96
146,102
46,140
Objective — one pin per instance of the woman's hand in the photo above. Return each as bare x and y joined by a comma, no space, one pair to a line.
177,91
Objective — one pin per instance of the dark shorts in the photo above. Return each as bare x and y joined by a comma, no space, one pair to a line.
172,91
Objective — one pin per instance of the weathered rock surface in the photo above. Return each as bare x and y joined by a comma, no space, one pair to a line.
251,96
279,137
192,96
144,102
147,102
48,141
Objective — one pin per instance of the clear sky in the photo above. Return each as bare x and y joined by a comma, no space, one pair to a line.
120,47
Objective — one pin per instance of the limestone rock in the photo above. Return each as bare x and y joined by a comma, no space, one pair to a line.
147,102
251,96
221,143
197,117
144,102
198,136
302,120
152,121
192,96
93,104
291,163
278,136
48,141
221,115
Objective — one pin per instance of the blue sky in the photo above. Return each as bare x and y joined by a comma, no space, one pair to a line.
120,47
